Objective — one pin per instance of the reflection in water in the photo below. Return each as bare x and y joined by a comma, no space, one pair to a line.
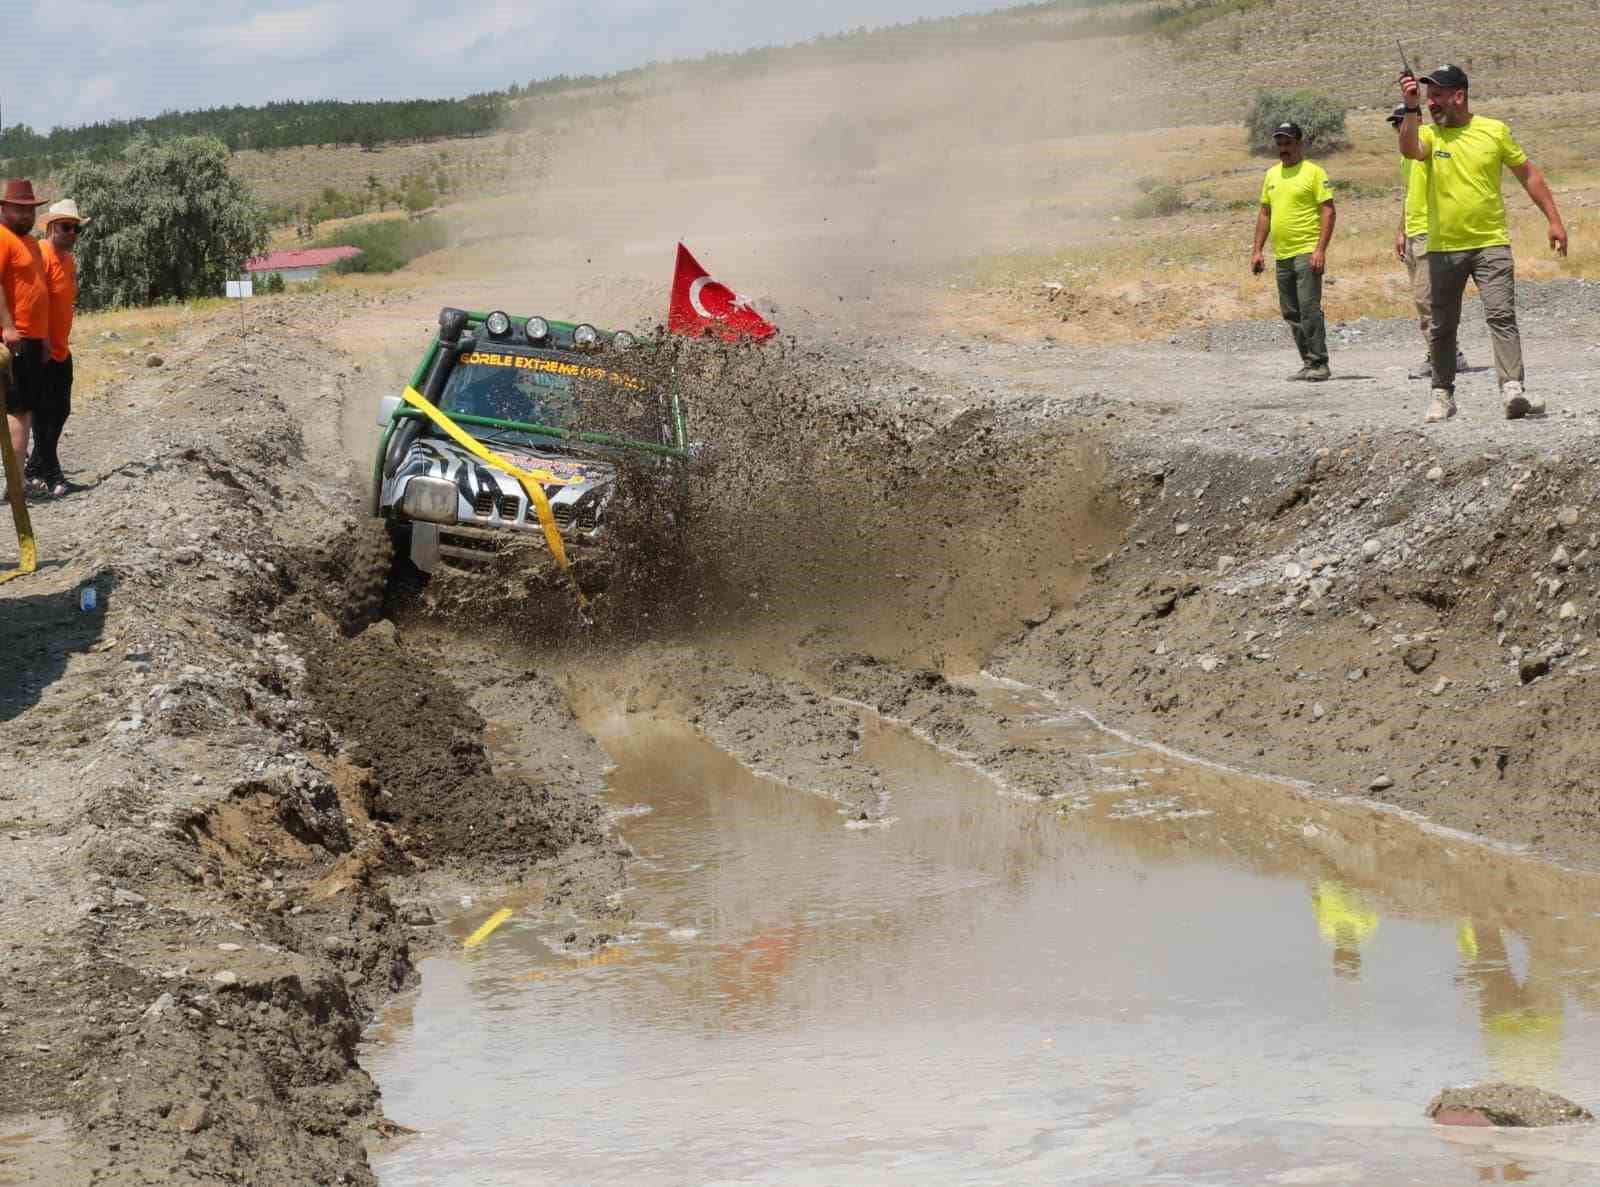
1118,986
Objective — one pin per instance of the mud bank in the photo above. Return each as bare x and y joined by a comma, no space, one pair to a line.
223,821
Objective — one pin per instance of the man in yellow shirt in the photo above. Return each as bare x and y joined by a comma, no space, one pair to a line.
1467,233
1297,208
1411,247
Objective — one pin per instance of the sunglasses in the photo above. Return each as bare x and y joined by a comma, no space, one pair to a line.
73,228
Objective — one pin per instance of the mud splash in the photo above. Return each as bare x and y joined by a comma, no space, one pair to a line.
1163,971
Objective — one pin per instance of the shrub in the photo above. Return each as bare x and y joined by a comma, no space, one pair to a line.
1319,114
1160,200
389,245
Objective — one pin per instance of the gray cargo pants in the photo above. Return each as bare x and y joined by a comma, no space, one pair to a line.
1300,300
1492,270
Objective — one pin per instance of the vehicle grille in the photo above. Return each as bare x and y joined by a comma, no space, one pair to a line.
563,514
483,506
510,508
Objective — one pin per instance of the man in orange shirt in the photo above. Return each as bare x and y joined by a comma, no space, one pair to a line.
62,225
24,307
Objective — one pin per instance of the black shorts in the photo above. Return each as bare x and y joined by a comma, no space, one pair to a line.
27,376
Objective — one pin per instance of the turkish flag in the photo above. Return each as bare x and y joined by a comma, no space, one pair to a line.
702,305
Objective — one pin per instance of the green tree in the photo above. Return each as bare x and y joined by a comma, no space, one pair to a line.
170,222
418,197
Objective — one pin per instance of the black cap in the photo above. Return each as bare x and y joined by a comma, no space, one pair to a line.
1446,76
1398,115
1288,128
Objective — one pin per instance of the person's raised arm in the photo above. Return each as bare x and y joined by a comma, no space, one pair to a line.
1411,126
1539,190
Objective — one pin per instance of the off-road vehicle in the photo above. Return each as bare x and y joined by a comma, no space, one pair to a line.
569,403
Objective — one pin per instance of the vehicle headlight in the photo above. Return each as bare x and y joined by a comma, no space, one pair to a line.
498,324
432,500
585,337
537,329
623,340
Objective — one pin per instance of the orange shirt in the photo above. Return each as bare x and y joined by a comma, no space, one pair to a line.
22,281
61,278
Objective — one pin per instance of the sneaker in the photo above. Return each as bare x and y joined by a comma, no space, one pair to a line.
1443,406
1300,374
1517,404
1423,370
1316,374
1461,361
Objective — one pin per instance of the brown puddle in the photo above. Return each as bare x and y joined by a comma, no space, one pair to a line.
1174,974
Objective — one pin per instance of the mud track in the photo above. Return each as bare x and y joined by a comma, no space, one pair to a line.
230,831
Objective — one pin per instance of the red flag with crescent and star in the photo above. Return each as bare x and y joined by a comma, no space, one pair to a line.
703,305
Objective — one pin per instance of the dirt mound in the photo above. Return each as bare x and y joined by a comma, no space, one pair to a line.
1518,1105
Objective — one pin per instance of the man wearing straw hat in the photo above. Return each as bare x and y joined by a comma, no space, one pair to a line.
24,306
62,225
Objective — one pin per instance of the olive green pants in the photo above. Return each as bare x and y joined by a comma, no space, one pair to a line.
1492,270
1300,299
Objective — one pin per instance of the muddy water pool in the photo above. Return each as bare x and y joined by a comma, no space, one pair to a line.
1167,974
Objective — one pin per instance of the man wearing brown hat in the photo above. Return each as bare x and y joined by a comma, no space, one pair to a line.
1467,232
62,225
24,307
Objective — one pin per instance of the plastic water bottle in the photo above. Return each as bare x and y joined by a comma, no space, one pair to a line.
88,599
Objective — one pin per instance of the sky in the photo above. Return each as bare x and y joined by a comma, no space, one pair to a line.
101,59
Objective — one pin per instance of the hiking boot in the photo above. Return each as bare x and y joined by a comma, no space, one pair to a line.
1443,406
1461,361
1317,374
1300,374
1517,404
1423,370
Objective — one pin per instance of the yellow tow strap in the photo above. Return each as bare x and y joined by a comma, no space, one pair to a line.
530,484
27,552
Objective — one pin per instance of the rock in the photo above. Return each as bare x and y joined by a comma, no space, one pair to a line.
336,945
418,915
1293,572
1381,783
1160,648
1500,616
1355,674
127,898
1531,667
1567,612
154,360
1309,606
1181,530
1209,663
159,1007
193,1117
1515,1105
230,947
1370,549
1560,560
1436,474
1318,712
1368,622
1567,517
1469,563
1419,657
1226,565
226,978
1441,684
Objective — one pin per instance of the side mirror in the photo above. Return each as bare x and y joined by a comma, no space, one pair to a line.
386,407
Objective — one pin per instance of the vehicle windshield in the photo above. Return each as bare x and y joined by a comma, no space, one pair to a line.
561,393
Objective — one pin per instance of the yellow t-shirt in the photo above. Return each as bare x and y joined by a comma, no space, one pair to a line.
1465,209
1295,195
1414,176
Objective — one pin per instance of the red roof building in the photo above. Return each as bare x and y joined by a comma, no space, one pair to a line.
299,265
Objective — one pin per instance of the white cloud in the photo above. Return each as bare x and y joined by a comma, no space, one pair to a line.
125,58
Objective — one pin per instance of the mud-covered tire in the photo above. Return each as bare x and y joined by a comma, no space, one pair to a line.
366,578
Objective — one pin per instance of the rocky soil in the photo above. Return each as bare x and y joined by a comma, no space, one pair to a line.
229,830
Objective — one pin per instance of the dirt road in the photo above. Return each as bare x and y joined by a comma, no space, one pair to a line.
229,831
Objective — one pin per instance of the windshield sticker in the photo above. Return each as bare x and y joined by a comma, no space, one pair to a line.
554,367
